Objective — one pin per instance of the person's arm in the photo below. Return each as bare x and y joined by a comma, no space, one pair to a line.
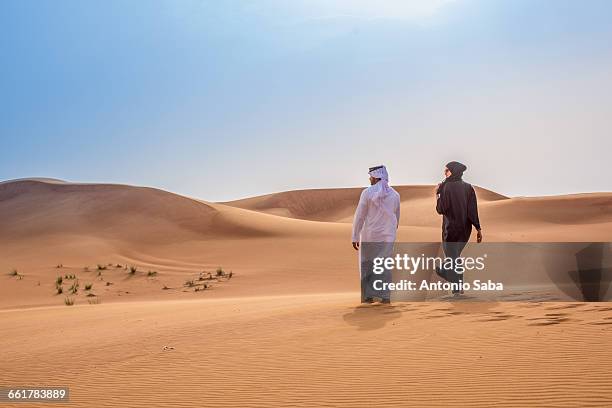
360,216
473,213
441,204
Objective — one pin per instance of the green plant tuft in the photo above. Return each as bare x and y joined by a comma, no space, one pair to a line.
74,288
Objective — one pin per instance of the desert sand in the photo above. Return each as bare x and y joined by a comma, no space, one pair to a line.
286,329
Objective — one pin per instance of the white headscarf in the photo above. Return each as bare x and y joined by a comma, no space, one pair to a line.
381,173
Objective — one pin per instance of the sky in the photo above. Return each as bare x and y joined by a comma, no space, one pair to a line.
221,100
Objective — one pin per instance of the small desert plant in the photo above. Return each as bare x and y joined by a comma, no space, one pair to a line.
59,280
208,276
229,276
101,267
94,301
88,286
59,266
220,271
74,288
133,270
59,289
68,301
190,283
70,277
109,283
165,287
152,273
118,266
14,273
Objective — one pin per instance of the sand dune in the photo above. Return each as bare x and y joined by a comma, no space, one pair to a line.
82,225
31,208
291,242
336,205
144,216
286,329
577,217
314,350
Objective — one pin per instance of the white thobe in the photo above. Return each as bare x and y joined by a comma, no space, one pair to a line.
376,219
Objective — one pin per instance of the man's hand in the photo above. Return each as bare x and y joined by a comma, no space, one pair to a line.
479,236
356,246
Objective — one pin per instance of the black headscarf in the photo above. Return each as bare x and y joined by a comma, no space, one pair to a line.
456,169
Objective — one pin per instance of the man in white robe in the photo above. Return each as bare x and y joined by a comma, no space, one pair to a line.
374,230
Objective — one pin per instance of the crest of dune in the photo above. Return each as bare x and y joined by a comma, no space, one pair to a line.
141,216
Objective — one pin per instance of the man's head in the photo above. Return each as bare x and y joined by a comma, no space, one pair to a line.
454,169
377,173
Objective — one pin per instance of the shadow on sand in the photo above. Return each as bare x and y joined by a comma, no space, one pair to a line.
376,316
372,317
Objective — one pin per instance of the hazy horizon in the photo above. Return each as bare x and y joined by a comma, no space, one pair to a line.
221,100
278,191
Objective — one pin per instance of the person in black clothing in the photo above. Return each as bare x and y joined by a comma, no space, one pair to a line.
456,202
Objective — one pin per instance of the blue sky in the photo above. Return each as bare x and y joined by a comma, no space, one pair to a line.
227,99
